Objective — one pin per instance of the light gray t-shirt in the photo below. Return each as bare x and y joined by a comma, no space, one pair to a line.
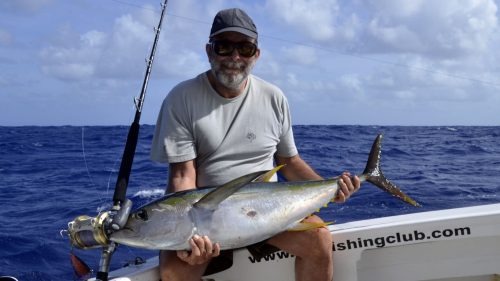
227,137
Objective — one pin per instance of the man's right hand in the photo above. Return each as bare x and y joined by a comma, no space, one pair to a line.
202,251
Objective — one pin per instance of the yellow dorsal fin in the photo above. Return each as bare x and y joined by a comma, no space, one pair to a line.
303,226
267,176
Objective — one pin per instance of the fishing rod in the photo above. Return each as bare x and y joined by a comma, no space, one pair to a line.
133,135
86,232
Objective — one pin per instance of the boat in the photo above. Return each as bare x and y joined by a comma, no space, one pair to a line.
461,244
8,278
447,245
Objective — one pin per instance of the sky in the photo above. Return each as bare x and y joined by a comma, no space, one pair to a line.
339,62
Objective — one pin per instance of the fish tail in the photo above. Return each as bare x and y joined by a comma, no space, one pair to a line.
374,175
81,269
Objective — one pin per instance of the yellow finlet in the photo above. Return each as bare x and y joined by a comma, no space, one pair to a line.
267,176
324,206
303,226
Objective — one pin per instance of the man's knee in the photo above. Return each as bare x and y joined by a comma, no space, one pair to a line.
313,244
321,240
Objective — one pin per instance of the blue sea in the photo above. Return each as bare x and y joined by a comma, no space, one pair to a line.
50,175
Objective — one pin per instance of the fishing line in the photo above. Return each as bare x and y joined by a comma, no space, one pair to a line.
85,158
387,62
101,199
137,6
330,50
113,169
112,172
134,5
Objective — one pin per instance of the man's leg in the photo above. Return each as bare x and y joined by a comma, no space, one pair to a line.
174,269
312,249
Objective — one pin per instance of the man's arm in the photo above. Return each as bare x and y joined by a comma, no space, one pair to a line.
181,176
297,169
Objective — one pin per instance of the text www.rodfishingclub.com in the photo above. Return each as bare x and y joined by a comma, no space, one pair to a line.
397,238
378,242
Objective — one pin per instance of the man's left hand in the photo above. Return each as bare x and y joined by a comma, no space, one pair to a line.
347,186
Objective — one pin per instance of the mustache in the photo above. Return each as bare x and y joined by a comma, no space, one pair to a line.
233,64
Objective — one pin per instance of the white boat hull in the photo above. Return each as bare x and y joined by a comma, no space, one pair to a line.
448,245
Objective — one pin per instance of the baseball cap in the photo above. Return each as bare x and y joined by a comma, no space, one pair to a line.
233,20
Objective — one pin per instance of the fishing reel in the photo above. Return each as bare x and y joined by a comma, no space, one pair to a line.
92,232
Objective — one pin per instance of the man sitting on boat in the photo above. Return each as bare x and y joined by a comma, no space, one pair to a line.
226,123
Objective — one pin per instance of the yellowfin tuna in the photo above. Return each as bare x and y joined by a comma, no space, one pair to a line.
241,212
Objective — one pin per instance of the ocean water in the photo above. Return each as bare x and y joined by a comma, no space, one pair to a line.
50,175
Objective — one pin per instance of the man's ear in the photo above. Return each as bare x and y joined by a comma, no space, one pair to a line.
257,53
208,49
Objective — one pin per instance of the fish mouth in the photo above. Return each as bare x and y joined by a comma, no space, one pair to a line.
124,235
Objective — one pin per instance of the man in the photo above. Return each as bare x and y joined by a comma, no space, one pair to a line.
226,123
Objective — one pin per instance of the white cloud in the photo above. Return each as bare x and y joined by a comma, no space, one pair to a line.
267,66
301,54
74,63
120,54
315,18
292,80
352,83
70,71
395,38
398,9
405,95
436,28
93,39
432,58
181,64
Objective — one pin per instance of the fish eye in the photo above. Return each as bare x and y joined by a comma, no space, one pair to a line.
142,215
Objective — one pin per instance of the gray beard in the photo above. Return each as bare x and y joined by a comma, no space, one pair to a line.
231,81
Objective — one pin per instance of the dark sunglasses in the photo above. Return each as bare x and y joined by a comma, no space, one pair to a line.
225,48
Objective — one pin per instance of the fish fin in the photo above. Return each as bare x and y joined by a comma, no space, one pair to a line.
81,269
267,176
324,206
374,175
303,226
212,199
